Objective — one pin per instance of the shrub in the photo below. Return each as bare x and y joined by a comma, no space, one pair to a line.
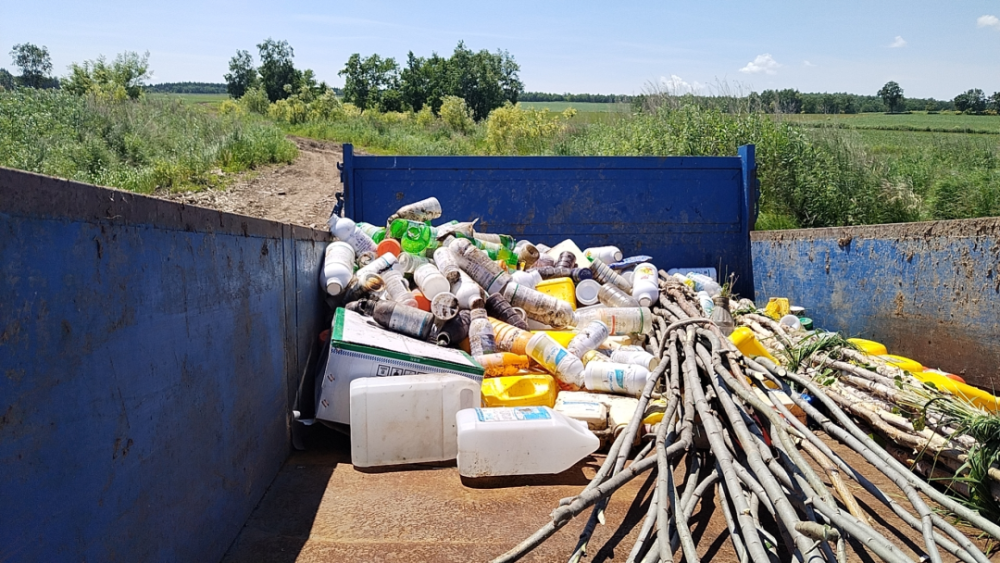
511,129
255,101
425,116
456,115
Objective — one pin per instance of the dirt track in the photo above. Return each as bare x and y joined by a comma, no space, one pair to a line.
301,193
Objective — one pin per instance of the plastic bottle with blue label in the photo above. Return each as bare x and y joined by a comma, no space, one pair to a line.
347,231
520,441
567,368
621,379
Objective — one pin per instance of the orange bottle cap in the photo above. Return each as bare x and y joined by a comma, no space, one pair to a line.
423,303
389,246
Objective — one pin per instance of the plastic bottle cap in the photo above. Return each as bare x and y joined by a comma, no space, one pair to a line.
586,292
645,301
334,288
423,303
389,246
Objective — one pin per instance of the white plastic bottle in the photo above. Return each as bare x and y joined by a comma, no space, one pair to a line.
408,418
347,231
520,441
447,262
589,338
608,254
620,320
526,278
645,285
396,289
377,266
622,379
555,359
635,355
467,291
410,262
430,281
338,267
705,283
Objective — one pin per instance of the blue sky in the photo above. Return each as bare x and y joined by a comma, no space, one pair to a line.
933,49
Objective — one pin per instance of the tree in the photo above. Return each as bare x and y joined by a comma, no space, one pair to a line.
6,80
891,94
367,81
124,78
276,69
972,101
34,62
241,76
994,102
484,80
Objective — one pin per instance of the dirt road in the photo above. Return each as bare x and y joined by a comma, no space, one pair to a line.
301,193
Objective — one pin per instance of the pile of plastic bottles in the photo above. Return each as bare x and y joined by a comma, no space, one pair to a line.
513,305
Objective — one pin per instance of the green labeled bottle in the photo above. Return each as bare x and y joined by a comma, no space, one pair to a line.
413,237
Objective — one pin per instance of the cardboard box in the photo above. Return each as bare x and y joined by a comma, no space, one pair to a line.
359,347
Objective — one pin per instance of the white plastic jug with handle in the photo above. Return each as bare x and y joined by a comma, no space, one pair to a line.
520,441
407,418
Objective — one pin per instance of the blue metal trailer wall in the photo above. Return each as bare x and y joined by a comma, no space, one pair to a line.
683,211
148,355
929,291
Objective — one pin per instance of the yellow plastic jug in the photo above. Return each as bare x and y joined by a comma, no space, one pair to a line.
974,395
747,343
561,336
560,288
869,346
527,390
902,363
777,307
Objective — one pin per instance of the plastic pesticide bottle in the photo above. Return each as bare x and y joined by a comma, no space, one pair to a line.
566,260
510,338
592,335
527,278
430,281
539,306
481,337
620,320
555,359
409,263
645,284
575,274
395,288
378,265
375,232
721,315
635,355
499,364
506,241
544,261
606,254
606,275
587,291
705,283
447,262
499,308
480,268
363,287
455,330
594,356
423,210
338,267
609,377
705,300
412,236
520,441
613,296
520,390
466,290
345,230
404,319
444,307
527,254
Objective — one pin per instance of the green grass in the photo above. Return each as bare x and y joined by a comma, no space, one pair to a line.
211,100
138,146
582,107
940,123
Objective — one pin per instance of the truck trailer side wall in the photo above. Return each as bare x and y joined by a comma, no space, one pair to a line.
929,291
149,353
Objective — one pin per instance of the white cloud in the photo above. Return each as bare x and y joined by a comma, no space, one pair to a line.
762,63
676,85
988,21
807,63
898,42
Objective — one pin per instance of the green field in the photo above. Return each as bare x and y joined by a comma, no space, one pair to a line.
208,99
941,123
582,107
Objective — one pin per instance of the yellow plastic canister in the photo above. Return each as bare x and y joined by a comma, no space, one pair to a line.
974,395
560,288
561,336
905,364
777,307
746,342
869,346
527,390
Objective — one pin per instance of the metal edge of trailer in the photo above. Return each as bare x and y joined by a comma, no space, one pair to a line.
149,351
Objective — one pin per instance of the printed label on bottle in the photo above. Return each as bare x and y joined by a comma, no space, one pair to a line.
511,414
407,323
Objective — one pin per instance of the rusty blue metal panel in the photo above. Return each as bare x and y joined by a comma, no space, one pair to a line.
143,371
683,211
929,291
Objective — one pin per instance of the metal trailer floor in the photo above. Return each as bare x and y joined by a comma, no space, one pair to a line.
320,508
